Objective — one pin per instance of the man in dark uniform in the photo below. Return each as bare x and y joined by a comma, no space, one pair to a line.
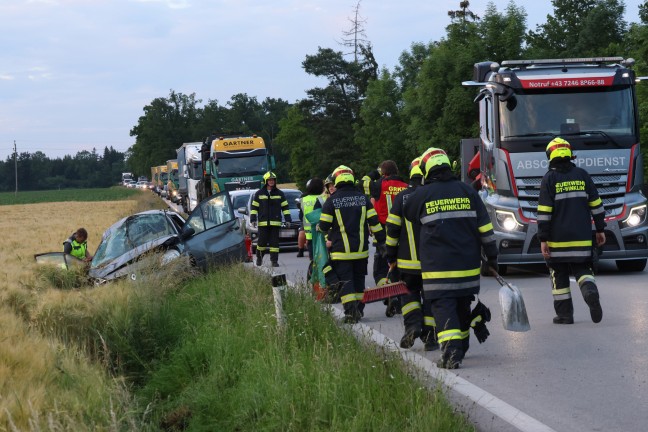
455,229
268,205
347,216
567,204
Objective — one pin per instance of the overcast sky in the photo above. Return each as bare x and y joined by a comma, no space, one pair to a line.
75,74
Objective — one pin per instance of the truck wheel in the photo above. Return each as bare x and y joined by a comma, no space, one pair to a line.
635,265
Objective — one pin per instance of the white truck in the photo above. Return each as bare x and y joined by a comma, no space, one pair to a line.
190,172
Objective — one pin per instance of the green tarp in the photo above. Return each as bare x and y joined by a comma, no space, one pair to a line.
320,254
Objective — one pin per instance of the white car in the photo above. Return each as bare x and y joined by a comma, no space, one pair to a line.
240,199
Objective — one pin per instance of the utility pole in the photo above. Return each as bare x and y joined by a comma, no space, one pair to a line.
16,166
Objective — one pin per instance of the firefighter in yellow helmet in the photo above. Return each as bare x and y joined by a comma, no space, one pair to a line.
455,229
567,204
269,204
347,216
402,249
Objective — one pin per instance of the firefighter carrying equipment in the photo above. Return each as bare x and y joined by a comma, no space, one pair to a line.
432,159
559,148
269,175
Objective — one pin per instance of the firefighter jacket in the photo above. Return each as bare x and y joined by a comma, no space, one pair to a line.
568,202
383,192
308,205
74,248
402,234
454,228
347,217
268,206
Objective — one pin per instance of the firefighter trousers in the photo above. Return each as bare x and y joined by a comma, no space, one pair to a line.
417,314
452,316
561,291
351,274
269,242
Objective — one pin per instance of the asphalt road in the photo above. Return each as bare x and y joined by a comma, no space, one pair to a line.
580,377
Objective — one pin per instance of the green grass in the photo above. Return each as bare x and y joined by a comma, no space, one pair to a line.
101,194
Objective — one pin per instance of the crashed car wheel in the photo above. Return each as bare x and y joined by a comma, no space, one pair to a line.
169,256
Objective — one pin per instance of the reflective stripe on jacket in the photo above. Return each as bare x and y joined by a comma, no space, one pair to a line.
268,206
402,235
567,204
347,216
455,228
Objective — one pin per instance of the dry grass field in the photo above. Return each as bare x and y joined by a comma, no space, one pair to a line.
33,363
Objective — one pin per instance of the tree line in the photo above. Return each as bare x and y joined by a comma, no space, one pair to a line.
365,114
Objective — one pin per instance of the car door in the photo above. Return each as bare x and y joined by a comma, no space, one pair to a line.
217,237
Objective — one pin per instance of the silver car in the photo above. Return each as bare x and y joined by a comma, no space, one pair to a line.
210,236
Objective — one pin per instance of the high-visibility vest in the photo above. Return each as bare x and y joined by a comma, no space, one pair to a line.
389,188
78,249
307,206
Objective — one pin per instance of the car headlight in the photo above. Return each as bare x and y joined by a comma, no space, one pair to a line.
169,256
636,217
507,221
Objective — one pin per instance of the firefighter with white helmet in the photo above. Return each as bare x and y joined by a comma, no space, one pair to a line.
455,229
347,216
269,204
567,204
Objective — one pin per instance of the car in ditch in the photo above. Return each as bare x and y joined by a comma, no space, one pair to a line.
210,236
289,230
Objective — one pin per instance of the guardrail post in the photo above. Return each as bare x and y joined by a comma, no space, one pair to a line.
278,286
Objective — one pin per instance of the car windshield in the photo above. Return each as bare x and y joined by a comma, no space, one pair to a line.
133,232
291,197
607,111
242,166
240,200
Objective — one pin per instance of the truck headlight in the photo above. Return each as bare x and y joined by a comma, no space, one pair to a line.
506,220
636,217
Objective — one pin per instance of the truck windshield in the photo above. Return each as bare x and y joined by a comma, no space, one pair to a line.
194,169
608,110
249,165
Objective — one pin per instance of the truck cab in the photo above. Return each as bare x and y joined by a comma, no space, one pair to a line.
172,180
190,172
523,105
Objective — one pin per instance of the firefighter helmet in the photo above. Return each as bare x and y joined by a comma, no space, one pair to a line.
269,175
329,180
415,168
434,158
558,148
343,174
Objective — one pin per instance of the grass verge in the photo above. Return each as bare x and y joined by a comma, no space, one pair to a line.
100,194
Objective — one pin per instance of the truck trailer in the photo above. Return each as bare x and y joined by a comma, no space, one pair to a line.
523,105
190,173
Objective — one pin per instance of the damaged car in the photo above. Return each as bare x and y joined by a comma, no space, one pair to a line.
210,236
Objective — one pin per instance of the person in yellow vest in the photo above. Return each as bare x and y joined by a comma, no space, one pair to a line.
314,190
77,245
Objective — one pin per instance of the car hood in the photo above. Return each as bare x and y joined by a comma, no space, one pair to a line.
120,266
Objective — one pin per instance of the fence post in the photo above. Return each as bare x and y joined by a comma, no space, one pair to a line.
278,285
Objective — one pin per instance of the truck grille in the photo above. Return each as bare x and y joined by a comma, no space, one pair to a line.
255,184
611,189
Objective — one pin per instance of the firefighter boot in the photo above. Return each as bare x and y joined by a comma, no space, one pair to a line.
259,258
564,311
430,341
300,253
591,296
407,341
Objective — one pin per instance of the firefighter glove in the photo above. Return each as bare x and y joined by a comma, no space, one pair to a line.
479,316
382,249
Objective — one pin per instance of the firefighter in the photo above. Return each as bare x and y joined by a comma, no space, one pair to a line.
77,245
402,248
455,229
268,205
347,217
567,204
367,181
383,192
314,191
